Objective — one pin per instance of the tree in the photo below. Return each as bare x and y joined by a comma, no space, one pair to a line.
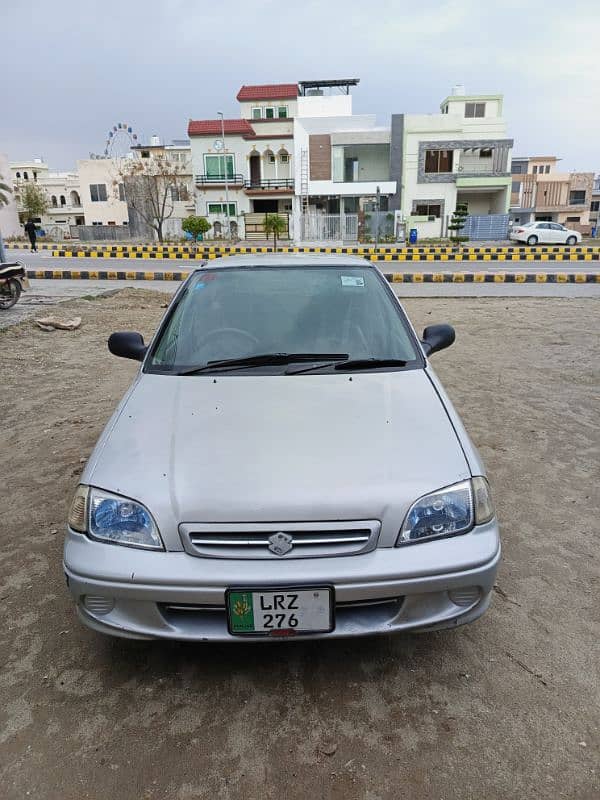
34,200
457,222
196,226
5,191
275,224
152,186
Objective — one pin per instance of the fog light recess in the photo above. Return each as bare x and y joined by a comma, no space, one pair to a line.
465,596
96,604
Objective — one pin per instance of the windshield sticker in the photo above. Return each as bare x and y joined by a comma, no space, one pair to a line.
352,280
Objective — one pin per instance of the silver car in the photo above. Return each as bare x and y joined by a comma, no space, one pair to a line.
285,464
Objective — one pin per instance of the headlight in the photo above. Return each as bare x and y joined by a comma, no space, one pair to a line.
443,513
110,518
448,512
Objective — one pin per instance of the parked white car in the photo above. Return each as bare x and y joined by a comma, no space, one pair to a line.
544,233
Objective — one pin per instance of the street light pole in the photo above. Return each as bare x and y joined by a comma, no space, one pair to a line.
220,114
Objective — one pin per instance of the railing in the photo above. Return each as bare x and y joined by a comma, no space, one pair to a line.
232,180
270,183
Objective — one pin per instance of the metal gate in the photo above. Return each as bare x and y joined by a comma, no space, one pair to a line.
486,227
329,227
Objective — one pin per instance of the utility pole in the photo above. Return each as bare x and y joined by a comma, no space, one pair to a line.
220,114
377,206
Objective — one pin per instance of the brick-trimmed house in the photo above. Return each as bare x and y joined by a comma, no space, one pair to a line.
542,193
256,156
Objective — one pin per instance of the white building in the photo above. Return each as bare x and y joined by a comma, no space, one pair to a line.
62,190
461,155
342,169
102,192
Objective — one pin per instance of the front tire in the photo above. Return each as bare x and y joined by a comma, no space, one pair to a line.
532,240
9,293
571,240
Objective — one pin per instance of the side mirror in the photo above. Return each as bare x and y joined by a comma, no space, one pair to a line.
437,337
127,344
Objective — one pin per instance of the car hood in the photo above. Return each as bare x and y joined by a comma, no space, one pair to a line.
279,448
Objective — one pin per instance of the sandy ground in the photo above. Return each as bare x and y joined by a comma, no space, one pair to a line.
506,707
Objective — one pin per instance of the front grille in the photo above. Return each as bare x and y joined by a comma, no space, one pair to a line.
286,540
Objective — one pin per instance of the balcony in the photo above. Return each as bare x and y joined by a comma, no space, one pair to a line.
71,208
270,186
236,181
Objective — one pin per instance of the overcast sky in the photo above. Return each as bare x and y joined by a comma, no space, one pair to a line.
71,69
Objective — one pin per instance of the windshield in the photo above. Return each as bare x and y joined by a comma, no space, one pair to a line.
234,313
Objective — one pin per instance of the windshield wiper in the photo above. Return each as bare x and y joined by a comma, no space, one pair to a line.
351,364
369,363
262,360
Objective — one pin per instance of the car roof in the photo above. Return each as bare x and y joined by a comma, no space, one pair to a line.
288,260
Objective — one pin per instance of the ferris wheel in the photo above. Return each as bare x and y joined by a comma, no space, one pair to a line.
119,141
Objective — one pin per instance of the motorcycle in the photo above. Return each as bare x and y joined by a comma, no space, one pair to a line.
13,281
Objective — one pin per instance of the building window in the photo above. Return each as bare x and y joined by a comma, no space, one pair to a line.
75,201
428,210
282,112
577,197
219,208
179,192
485,152
573,219
53,201
547,170
284,158
18,175
96,223
25,176
595,206
35,176
269,112
535,170
145,153
97,192
438,160
122,192
257,113
271,158
474,110
517,169
516,186
214,167
63,202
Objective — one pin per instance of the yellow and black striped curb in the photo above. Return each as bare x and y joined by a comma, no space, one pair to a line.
433,252
392,277
203,256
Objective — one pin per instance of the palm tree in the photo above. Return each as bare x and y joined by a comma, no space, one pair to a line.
275,224
5,191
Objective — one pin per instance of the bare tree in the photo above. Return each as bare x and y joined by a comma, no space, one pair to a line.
152,186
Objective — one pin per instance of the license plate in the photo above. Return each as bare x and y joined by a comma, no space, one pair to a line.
282,611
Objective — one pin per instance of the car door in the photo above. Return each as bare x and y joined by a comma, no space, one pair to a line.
558,232
543,232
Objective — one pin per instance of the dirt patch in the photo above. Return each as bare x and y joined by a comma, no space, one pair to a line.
507,707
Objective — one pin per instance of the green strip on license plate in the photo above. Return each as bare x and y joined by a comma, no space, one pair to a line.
241,612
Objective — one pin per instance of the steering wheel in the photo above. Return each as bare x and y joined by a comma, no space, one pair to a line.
220,332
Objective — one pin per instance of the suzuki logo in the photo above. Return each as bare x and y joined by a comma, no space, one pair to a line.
280,543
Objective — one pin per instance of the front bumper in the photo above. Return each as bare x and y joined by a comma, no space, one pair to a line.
148,595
